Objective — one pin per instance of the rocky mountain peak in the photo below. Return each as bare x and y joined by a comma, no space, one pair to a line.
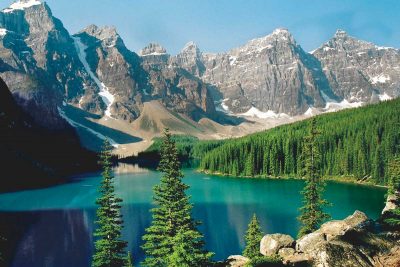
340,33
108,35
21,5
191,47
153,49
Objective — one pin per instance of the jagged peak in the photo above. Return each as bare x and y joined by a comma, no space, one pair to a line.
22,4
191,47
104,31
154,49
340,33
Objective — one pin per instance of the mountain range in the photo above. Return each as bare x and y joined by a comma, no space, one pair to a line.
92,81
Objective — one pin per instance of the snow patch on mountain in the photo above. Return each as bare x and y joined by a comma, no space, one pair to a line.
382,78
222,107
21,5
3,32
77,124
385,97
105,94
254,112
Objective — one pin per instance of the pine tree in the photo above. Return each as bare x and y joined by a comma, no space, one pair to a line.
129,262
109,248
253,238
312,214
172,238
391,218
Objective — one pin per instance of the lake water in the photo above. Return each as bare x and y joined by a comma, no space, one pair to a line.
54,226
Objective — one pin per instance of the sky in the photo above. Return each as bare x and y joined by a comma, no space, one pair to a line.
220,25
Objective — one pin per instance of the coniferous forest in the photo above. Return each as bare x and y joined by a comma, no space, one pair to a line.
356,144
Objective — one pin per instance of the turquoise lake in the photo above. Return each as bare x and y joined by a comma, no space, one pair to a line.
58,221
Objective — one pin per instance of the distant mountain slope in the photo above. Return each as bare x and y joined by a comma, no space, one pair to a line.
33,156
355,143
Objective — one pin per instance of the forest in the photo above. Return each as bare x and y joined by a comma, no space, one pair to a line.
354,144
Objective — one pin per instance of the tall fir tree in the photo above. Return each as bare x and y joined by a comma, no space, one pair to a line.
172,239
391,218
129,262
109,248
312,214
253,238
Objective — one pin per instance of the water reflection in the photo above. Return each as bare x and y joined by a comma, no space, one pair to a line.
61,232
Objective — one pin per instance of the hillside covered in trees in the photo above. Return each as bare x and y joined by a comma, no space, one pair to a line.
356,143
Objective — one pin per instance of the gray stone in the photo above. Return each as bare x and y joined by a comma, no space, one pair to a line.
308,242
237,261
272,243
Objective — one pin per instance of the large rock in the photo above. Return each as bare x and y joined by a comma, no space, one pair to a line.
308,242
391,202
348,242
271,244
237,261
356,222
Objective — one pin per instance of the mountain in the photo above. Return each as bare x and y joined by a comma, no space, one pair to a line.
36,156
268,73
359,70
39,61
274,74
92,81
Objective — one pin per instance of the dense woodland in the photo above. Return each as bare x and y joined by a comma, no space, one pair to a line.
356,143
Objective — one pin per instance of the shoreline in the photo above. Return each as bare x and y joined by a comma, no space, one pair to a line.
339,179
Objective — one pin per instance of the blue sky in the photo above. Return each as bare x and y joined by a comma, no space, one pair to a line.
219,25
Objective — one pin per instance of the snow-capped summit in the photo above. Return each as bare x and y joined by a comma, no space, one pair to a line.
21,5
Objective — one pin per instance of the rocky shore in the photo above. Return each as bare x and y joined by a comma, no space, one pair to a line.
355,241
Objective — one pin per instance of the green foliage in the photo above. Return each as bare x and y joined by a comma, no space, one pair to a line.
172,239
253,238
188,147
391,218
109,248
265,261
312,214
355,143
129,262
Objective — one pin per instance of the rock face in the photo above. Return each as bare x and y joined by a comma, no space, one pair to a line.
275,73
271,244
359,70
269,73
175,87
38,61
115,69
93,70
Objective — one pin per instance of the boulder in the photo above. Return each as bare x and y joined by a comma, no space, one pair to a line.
356,222
237,261
391,202
271,244
308,242
286,252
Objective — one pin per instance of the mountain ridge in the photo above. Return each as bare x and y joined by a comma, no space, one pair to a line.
267,78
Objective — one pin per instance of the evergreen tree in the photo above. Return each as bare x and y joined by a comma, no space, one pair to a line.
312,214
357,143
129,262
253,238
109,248
391,218
172,238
